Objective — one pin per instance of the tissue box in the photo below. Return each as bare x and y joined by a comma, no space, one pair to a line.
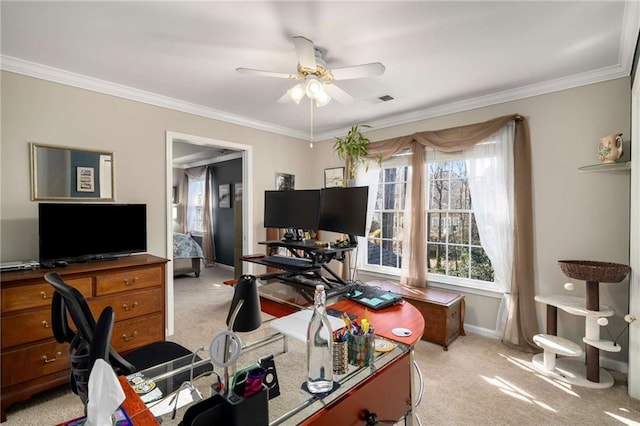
120,419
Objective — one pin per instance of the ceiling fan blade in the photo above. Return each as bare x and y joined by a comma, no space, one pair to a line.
337,93
268,73
285,98
358,71
306,53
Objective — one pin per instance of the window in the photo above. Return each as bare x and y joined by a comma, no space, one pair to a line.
386,230
454,252
453,243
195,210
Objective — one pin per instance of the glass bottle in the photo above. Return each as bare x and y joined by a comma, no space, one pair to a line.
319,357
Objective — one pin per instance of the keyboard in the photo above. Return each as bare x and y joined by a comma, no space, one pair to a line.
373,297
296,262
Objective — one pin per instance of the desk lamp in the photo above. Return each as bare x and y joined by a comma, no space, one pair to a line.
244,315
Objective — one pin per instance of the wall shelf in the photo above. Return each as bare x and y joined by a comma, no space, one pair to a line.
607,167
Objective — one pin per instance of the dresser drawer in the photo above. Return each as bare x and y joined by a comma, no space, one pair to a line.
33,362
131,304
137,332
26,327
38,295
128,280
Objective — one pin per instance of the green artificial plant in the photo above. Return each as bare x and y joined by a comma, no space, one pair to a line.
353,149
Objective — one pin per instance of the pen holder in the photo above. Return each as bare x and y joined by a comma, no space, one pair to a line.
360,349
340,357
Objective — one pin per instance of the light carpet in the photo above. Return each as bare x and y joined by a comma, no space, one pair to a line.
478,381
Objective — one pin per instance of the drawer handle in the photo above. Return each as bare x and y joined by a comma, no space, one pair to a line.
43,295
45,324
130,338
129,308
55,358
132,282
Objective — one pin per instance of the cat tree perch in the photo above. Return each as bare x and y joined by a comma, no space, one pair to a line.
574,371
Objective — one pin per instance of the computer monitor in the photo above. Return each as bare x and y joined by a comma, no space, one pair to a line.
295,209
344,210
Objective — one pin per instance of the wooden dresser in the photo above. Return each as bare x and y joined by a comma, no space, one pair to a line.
32,361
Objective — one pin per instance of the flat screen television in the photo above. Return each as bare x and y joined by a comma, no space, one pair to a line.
78,232
344,210
295,209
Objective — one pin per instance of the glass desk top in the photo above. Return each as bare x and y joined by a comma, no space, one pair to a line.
292,406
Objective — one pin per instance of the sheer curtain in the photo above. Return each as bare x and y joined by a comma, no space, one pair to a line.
490,175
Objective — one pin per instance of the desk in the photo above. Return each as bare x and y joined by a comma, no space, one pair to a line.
387,390
384,389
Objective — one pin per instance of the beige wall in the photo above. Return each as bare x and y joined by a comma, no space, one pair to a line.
35,110
576,215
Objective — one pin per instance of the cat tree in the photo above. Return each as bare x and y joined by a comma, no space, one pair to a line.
570,369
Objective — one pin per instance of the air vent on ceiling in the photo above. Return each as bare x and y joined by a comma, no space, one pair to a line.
386,98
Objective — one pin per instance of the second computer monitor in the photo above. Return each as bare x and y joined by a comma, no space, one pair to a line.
344,210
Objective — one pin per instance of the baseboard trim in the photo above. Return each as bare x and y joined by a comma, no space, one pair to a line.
486,332
223,266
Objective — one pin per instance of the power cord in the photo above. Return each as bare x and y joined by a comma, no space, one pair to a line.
195,394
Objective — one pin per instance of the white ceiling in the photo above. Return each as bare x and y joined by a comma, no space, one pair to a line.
440,57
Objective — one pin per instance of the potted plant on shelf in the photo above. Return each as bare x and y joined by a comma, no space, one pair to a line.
353,149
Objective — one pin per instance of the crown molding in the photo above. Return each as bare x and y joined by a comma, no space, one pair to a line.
597,76
16,65
43,72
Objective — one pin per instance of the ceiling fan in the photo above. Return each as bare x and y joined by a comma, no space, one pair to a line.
316,79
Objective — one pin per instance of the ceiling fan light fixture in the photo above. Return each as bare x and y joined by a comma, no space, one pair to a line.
322,98
297,92
314,87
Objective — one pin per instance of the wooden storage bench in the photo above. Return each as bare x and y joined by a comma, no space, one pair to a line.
443,311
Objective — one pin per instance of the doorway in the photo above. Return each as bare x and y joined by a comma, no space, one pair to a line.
203,144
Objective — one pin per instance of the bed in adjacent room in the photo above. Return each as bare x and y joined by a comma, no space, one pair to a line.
187,255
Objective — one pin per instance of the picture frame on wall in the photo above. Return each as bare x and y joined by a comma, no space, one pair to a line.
224,196
285,181
334,177
85,181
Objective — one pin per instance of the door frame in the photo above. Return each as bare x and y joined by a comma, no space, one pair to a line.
247,183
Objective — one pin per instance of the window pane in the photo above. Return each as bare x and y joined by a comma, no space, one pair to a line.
435,227
436,258
373,252
481,268
374,228
387,225
459,169
458,228
475,236
460,197
458,261
439,195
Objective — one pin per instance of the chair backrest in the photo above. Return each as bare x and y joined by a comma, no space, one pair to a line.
83,354
68,300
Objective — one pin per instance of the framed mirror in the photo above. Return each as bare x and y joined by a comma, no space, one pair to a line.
71,174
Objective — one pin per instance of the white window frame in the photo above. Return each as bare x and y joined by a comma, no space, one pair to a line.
469,285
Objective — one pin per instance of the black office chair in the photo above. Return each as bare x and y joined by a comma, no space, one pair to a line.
68,300
83,354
